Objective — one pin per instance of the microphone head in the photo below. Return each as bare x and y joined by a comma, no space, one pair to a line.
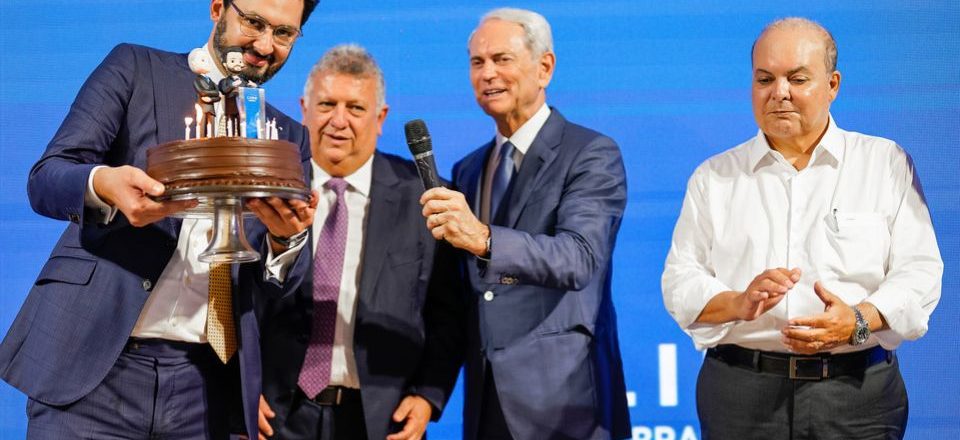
418,138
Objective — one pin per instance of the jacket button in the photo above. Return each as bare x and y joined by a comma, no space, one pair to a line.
508,280
74,218
488,296
147,285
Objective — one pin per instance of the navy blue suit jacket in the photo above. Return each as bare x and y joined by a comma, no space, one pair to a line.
408,326
88,296
549,331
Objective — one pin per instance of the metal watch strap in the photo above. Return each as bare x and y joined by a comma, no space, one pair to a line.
291,241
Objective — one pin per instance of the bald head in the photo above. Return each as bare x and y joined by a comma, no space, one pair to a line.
805,25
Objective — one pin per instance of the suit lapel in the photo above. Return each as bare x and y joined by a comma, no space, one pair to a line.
470,181
174,98
384,210
537,160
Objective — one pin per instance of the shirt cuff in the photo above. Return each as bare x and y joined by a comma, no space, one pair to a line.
276,267
100,211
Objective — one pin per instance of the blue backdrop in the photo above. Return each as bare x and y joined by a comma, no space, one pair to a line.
669,80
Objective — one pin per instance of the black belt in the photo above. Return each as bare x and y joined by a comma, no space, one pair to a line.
813,367
335,395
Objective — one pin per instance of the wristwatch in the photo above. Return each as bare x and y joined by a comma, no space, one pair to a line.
861,331
291,241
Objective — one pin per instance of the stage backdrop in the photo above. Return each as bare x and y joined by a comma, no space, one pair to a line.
670,81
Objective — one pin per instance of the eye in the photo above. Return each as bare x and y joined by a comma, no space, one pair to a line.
357,109
254,23
799,80
476,62
764,80
284,33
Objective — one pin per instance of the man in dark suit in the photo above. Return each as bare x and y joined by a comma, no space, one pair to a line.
543,360
369,346
112,340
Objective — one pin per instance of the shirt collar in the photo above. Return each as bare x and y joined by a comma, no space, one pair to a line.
360,180
831,143
524,136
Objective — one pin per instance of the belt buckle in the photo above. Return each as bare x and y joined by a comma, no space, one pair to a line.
800,368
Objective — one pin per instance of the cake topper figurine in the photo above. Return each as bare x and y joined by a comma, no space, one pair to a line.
207,93
233,63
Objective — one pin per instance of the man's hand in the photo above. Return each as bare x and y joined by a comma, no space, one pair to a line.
830,329
128,189
263,416
416,411
284,218
449,218
765,292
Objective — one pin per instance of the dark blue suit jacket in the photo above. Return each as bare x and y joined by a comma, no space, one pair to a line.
408,327
549,330
88,296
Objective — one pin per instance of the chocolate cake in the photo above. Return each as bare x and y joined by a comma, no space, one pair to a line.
226,161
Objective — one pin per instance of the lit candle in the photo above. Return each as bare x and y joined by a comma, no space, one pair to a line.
199,116
186,129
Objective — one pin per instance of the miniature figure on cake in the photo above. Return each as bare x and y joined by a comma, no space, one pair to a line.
231,85
207,93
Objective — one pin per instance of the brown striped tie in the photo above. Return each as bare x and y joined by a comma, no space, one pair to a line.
221,333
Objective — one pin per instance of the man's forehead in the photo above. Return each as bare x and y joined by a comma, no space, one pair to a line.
497,36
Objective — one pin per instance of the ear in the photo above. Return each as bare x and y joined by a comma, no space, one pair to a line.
547,63
382,117
303,110
834,84
216,9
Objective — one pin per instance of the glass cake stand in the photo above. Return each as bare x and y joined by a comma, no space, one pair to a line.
225,205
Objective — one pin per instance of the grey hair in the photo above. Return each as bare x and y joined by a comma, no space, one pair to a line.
349,59
537,35
829,44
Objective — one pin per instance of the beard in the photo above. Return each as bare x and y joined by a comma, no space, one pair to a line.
258,75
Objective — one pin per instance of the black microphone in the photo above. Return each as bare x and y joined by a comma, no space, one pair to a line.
418,139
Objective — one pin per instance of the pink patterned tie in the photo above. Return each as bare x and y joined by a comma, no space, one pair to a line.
327,272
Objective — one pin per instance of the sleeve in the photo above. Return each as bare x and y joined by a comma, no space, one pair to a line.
58,181
587,218
689,281
911,289
444,316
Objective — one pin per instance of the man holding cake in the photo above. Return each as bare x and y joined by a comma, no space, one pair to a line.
116,338
369,348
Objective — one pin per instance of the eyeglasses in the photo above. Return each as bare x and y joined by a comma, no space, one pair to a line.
253,26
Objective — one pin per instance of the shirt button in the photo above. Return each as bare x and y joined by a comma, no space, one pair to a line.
147,284
488,295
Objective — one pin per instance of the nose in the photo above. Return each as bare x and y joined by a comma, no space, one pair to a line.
488,71
264,43
781,90
339,118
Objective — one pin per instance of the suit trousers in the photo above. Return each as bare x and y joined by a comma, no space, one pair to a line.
157,389
493,425
735,402
308,420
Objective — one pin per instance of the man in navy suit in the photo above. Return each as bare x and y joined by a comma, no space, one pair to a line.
536,221
395,349
112,340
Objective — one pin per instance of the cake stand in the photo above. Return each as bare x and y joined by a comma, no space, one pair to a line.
225,205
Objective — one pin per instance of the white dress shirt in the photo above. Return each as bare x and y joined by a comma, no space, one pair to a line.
343,368
177,306
522,139
853,218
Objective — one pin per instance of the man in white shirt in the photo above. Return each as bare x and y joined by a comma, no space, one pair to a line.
368,346
801,259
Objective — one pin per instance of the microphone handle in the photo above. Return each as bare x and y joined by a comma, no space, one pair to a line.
427,169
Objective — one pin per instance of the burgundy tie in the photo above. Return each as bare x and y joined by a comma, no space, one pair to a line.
327,272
